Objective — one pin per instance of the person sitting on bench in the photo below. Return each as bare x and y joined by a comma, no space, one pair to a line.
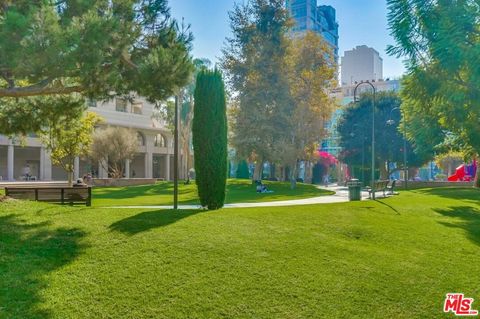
79,183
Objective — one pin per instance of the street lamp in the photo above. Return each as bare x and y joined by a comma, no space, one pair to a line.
392,122
373,129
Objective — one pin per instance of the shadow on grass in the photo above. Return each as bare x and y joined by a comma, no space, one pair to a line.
238,191
28,252
54,210
150,220
466,193
467,218
141,191
389,206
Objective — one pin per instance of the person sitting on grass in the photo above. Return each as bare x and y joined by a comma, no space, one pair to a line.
262,188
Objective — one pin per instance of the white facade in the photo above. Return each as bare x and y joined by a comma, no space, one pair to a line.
346,92
153,160
361,64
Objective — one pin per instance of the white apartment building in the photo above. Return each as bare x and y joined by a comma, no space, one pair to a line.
345,94
153,160
361,64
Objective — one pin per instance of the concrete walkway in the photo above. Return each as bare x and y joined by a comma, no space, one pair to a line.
340,196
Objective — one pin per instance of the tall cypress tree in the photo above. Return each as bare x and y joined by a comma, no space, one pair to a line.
209,132
242,170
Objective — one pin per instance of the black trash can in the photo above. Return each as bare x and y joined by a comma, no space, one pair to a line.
354,190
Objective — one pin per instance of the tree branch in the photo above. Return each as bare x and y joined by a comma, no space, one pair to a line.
41,88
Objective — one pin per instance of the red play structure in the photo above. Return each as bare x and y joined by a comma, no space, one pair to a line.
464,173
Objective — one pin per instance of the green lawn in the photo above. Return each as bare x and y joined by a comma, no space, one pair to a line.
394,258
238,191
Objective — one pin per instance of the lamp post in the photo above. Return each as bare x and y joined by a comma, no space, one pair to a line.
405,167
373,130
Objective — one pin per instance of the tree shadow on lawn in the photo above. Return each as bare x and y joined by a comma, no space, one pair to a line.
465,194
149,220
140,191
237,191
28,252
246,192
54,210
389,206
468,220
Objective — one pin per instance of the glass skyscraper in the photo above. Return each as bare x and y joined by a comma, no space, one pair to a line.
321,19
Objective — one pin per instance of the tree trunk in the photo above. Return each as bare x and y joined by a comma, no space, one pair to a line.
70,178
189,164
477,178
383,171
184,165
293,179
308,172
257,173
273,169
187,152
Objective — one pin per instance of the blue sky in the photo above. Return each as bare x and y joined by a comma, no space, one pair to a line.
361,22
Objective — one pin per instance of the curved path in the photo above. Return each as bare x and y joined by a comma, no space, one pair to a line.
340,196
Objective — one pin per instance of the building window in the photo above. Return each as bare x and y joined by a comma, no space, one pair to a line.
140,139
137,107
120,105
160,141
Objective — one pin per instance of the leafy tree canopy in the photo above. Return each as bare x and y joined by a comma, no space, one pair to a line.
255,68
94,47
355,129
112,146
441,42
69,137
20,116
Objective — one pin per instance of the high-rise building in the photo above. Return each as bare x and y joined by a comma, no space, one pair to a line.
361,64
321,19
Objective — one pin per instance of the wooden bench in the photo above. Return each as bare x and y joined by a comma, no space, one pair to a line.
380,186
62,195
391,188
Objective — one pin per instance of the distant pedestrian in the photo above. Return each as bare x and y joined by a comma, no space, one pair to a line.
326,180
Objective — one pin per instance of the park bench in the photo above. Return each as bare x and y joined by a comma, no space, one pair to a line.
391,187
54,194
380,186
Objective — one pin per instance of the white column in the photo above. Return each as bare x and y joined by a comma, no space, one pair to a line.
45,165
10,162
76,168
102,172
148,165
181,166
167,167
127,169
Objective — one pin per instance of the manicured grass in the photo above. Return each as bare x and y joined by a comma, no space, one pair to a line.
394,258
238,191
